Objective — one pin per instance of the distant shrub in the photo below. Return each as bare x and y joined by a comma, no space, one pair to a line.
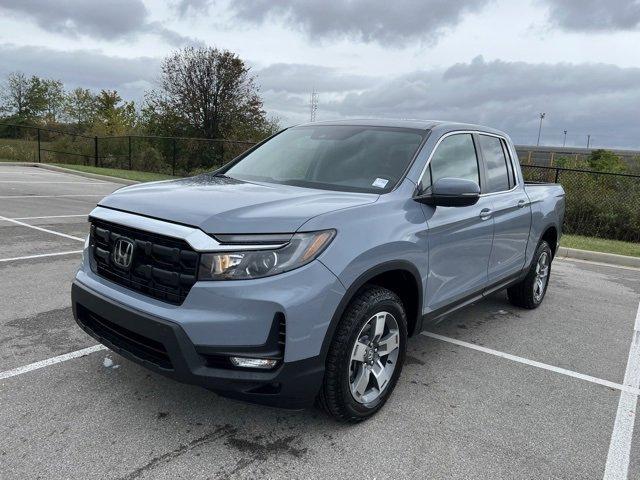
606,161
563,162
69,149
18,151
149,159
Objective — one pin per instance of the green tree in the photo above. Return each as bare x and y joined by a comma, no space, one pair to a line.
31,99
14,95
54,96
36,99
113,116
606,161
80,107
205,92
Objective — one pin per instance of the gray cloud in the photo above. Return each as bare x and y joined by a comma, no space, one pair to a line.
289,108
184,7
172,37
102,19
594,15
85,68
597,99
602,100
108,20
303,78
407,20
382,22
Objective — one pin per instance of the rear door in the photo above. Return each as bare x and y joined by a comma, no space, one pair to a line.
511,209
459,237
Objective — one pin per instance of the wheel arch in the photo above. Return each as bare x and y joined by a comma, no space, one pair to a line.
550,235
384,275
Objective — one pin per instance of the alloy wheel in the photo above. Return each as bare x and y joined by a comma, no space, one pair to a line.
374,357
542,276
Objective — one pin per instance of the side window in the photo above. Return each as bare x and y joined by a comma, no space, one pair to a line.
496,163
454,157
512,174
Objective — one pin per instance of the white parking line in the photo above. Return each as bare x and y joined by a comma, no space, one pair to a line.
51,361
617,466
54,182
631,389
51,216
41,229
13,172
28,257
56,196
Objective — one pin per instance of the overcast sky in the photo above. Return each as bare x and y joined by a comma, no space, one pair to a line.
496,62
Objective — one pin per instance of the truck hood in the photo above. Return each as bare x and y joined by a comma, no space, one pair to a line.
224,205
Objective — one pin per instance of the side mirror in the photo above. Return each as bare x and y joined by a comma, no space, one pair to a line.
451,192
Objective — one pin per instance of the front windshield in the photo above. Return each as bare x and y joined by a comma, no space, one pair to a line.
335,157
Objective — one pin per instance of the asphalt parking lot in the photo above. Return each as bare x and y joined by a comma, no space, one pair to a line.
491,392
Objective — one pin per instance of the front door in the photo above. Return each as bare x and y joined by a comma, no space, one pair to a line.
459,237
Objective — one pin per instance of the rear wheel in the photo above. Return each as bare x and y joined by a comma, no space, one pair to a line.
530,292
366,356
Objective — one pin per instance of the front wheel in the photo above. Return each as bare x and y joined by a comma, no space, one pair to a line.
530,292
366,356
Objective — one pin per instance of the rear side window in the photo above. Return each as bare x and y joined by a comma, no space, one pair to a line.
512,174
496,163
455,157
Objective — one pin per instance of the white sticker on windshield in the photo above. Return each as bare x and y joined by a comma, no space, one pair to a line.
380,182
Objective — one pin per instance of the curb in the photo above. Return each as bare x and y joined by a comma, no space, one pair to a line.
55,168
95,176
565,253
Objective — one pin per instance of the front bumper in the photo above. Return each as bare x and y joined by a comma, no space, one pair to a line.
164,347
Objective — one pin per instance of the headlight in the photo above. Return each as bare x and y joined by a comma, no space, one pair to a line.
242,265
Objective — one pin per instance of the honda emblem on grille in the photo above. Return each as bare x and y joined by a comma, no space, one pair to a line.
123,253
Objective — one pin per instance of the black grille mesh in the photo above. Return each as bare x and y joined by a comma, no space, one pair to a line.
134,343
162,267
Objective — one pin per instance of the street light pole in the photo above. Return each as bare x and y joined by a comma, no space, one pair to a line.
542,115
564,141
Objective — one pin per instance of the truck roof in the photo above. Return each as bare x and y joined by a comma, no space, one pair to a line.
407,123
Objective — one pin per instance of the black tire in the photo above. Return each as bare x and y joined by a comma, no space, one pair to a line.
335,395
522,293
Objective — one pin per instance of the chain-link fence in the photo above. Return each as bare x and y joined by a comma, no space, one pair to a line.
599,204
565,157
178,156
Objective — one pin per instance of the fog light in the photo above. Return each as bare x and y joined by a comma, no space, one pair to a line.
264,363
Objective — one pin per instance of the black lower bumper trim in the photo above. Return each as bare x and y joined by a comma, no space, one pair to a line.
138,345
164,347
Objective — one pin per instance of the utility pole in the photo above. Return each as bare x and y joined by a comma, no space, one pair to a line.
564,141
588,140
313,105
542,115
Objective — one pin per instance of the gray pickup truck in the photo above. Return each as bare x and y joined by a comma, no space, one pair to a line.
297,272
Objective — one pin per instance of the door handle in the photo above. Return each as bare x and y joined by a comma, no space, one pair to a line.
485,213
522,203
